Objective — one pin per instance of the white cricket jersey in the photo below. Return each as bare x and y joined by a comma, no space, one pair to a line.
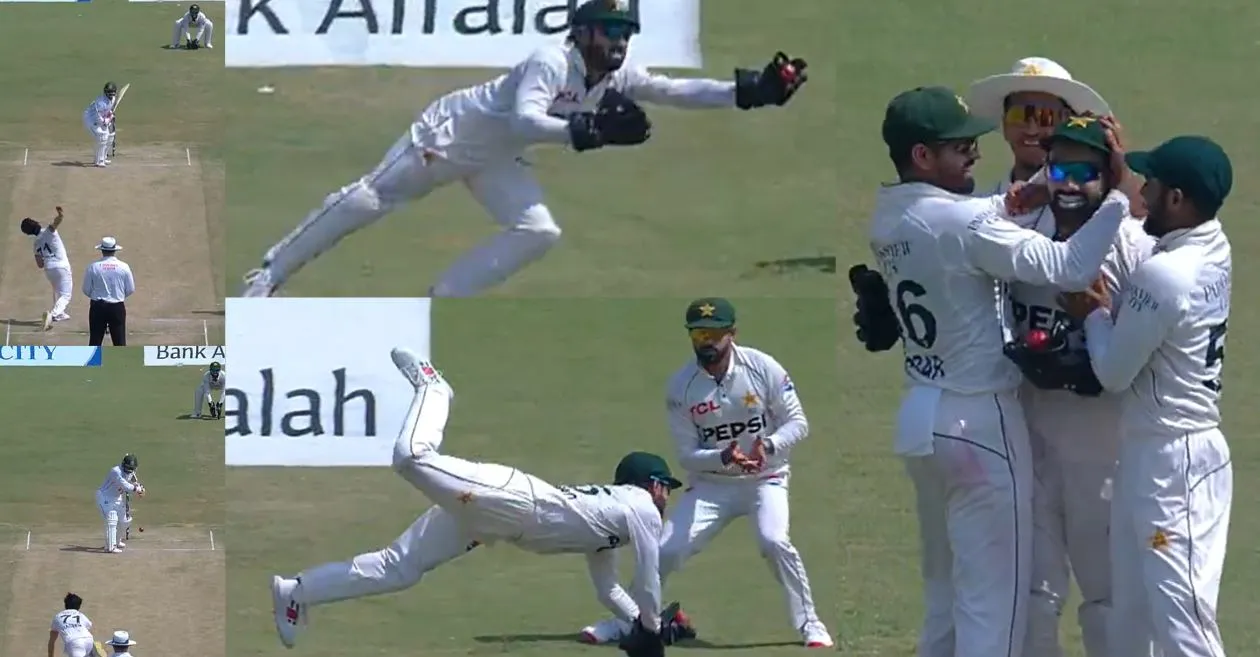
211,382
116,483
594,519
71,624
1167,343
532,103
942,255
755,398
199,21
48,245
99,112
109,279
1077,427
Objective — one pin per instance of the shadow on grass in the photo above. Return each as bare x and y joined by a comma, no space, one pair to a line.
824,264
23,322
68,163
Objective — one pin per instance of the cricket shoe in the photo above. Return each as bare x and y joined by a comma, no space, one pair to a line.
114,550
816,636
609,630
258,283
61,318
290,614
420,373
47,321
121,544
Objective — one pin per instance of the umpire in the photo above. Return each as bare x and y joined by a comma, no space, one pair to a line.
108,282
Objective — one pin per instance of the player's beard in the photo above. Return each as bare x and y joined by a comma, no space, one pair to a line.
708,354
1072,210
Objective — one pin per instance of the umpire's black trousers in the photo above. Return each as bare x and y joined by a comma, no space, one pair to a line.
106,315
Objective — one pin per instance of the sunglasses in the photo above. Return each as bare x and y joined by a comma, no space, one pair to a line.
1041,116
1078,172
707,335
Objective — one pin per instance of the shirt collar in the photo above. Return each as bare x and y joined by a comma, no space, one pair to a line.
1184,236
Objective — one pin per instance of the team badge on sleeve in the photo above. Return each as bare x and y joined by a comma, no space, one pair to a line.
788,386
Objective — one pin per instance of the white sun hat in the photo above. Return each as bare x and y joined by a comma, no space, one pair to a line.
121,638
108,244
988,95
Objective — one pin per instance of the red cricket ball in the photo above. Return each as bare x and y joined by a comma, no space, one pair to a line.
1037,339
788,73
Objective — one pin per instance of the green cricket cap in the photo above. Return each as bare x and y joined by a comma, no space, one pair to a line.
594,12
638,468
926,115
1084,130
710,312
1196,165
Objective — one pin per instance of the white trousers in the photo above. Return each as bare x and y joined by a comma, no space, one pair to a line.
475,503
205,33
116,517
412,169
83,647
1169,526
101,137
705,509
204,393
973,495
62,283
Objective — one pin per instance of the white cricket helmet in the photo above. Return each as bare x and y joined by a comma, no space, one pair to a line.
987,96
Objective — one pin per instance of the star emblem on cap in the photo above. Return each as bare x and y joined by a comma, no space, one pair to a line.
707,310
962,103
619,5
1030,69
1080,121
750,400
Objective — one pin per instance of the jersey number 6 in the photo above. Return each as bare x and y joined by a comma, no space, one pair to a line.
924,334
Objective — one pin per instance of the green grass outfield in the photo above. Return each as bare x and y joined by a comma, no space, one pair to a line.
1163,78
64,428
561,389
710,196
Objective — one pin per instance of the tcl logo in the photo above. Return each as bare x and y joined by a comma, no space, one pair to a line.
705,407
732,430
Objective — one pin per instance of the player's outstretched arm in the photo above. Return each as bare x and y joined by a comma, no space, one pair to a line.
687,93
541,80
56,222
603,569
1008,252
784,403
1147,312
645,530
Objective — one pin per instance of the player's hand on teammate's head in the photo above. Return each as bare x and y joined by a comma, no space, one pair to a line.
1024,197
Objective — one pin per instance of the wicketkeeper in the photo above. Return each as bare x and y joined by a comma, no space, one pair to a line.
193,19
212,386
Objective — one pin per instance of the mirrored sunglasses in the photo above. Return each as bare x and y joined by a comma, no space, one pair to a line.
1078,172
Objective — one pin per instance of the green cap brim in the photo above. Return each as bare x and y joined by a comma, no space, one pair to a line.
1140,163
708,323
671,482
615,18
972,128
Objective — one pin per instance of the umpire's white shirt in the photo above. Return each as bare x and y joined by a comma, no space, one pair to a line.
754,399
109,279
1166,344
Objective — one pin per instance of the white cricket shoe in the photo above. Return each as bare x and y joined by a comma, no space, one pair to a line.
816,636
121,544
609,630
420,373
290,614
114,550
47,321
61,318
258,283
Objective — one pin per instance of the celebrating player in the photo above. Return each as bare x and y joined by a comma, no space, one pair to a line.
193,18
961,430
73,628
579,93
483,503
50,256
213,383
98,118
120,482
1163,345
735,417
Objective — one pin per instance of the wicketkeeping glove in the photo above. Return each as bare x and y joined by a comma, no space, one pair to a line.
1049,362
640,642
617,121
675,625
773,85
876,322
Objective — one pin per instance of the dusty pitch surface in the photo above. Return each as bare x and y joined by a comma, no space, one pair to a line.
166,588
154,199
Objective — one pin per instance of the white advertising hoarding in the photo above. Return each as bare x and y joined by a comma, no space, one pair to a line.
437,33
312,381
169,356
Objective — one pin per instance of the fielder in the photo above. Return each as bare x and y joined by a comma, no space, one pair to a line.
213,383
120,482
578,94
50,256
98,118
961,431
74,629
483,503
193,18
735,417
1162,345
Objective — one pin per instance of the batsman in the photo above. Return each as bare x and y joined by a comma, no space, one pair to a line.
213,383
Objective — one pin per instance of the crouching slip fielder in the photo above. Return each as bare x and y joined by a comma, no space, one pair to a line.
735,416
577,94
193,19
120,481
98,118
961,430
1075,437
50,256
1163,346
213,383
483,503
73,628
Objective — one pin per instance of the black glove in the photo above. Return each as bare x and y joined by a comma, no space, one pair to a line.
773,85
193,45
617,121
675,626
876,322
1050,363
641,642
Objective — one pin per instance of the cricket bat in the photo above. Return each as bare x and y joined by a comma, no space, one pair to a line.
113,139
